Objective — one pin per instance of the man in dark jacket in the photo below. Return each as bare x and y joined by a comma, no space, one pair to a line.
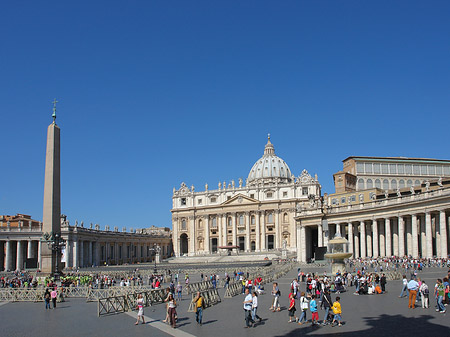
383,283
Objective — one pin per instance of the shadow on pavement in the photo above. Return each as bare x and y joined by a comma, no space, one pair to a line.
396,325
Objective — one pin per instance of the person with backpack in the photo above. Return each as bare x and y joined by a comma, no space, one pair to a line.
199,302
425,294
303,307
326,304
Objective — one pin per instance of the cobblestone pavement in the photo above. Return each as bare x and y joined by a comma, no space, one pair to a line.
363,316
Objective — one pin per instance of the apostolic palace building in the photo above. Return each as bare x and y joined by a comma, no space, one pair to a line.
383,206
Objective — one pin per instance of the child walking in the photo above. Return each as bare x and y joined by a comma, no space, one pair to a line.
303,307
313,308
337,311
292,308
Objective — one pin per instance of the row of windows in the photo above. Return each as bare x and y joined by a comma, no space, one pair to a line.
241,221
416,169
350,199
386,184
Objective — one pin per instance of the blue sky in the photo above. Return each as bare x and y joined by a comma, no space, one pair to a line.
154,93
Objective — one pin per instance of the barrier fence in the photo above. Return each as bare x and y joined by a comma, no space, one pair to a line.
210,297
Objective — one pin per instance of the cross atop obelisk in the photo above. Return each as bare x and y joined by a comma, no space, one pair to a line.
52,198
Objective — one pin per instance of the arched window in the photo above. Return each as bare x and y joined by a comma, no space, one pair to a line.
417,183
385,184
199,223
360,184
409,183
369,183
377,183
394,184
401,183
270,218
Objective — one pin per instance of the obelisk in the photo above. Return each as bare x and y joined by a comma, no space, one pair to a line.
52,197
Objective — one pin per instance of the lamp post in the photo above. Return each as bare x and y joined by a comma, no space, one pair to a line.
55,243
155,250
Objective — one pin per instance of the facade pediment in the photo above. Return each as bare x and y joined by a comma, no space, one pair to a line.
240,199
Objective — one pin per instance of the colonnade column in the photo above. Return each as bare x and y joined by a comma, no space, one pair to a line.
414,234
363,236
395,237
338,228
320,235
90,253
387,236
375,238
224,229
443,233
69,253
356,244
257,232
369,242
30,249
39,254
9,257
247,232
350,237
219,230
382,240
75,254
207,231
19,262
401,236
429,235
263,232
408,229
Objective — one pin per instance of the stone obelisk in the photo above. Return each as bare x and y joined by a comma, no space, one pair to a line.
52,197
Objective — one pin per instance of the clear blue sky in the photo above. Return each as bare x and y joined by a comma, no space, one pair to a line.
154,93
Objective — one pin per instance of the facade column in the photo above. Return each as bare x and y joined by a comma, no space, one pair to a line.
219,230
234,228
388,237
303,241
414,234
277,229
258,232
338,228
363,238
19,260
175,238
192,238
207,239
9,257
443,234
293,238
401,236
350,237
429,235
375,238
369,242
320,235
356,243
247,232
263,232
408,249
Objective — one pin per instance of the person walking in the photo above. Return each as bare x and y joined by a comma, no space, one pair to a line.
276,293
440,293
405,286
140,309
199,303
326,304
248,301
337,311
172,304
255,307
303,307
292,309
313,308
54,295
425,294
179,291
383,282
47,299
413,286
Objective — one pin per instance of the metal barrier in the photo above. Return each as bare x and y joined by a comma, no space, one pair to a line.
123,303
210,297
233,290
199,286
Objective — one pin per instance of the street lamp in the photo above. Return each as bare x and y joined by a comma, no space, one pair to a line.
55,243
155,250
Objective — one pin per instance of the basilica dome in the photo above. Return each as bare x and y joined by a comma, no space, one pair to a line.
269,168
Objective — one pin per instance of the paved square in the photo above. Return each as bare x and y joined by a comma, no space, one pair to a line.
363,316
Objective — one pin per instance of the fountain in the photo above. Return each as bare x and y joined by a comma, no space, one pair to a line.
338,252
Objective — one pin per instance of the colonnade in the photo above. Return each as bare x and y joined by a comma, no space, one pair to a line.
14,254
422,234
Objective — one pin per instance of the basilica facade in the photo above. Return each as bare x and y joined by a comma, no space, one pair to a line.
257,215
